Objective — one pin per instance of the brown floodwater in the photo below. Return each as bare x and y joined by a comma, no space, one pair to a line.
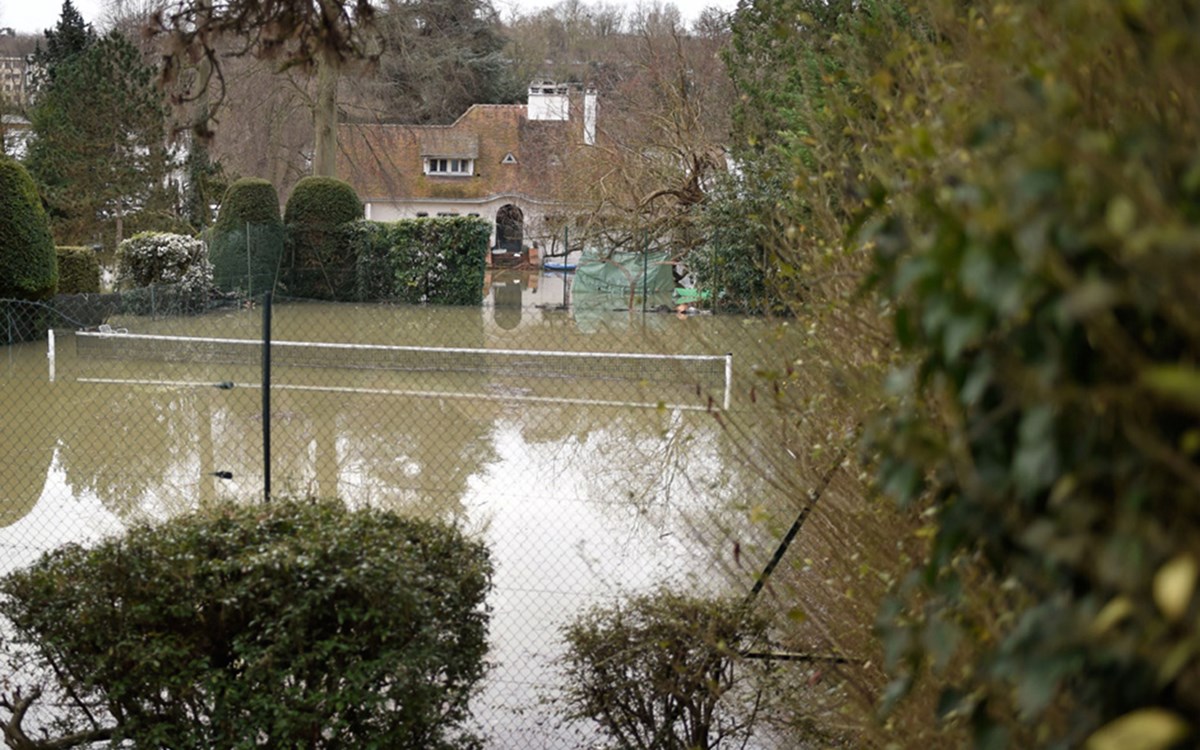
585,485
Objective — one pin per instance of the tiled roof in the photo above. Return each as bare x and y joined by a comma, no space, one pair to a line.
384,161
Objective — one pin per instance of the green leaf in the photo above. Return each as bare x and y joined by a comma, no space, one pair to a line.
1174,585
1179,383
1144,729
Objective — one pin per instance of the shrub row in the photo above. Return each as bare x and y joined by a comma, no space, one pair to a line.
322,249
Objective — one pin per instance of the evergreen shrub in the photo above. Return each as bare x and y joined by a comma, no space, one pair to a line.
320,263
78,270
246,243
295,624
164,271
437,260
28,266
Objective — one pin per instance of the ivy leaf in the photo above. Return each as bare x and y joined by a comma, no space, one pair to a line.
1174,584
1177,382
1144,729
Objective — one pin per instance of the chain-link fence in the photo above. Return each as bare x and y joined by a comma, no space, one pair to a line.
598,452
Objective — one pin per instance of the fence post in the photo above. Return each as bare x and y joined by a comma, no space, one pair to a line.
266,396
249,267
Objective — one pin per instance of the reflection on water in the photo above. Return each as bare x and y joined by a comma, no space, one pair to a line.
577,502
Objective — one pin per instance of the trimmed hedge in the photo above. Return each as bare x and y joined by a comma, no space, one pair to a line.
28,266
322,201
246,243
288,625
437,260
78,270
319,263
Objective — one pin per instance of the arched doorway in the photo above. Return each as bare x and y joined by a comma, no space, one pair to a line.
509,228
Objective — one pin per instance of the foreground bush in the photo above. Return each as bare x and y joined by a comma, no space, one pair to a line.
291,625
1036,241
663,670
28,269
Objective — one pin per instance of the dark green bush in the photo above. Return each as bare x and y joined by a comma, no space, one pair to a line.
319,262
322,202
662,670
28,266
298,624
438,260
78,270
246,243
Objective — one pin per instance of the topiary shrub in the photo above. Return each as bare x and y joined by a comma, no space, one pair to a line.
246,243
78,270
176,263
438,260
298,624
322,202
28,267
320,262
658,670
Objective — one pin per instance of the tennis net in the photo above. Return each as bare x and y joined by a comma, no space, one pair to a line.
704,370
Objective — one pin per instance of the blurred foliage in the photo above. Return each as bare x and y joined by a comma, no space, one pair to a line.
293,624
204,184
664,670
1034,223
734,263
78,270
1019,182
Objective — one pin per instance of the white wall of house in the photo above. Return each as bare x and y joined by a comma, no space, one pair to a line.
534,212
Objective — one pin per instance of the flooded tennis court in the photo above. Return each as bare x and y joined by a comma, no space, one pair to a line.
584,485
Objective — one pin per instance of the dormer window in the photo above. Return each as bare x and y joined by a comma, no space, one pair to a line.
449,167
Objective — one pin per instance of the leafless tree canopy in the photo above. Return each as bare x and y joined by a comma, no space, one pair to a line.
293,33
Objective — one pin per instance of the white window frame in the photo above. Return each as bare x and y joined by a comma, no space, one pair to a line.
439,166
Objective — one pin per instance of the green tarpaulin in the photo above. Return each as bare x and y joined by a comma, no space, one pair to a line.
623,273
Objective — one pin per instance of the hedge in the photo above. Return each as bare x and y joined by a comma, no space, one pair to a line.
246,243
319,264
437,260
78,270
164,272
28,266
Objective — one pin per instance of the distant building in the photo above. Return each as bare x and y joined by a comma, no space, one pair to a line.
14,81
500,162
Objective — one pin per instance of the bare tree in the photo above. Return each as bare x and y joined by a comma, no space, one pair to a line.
325,36
664,130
